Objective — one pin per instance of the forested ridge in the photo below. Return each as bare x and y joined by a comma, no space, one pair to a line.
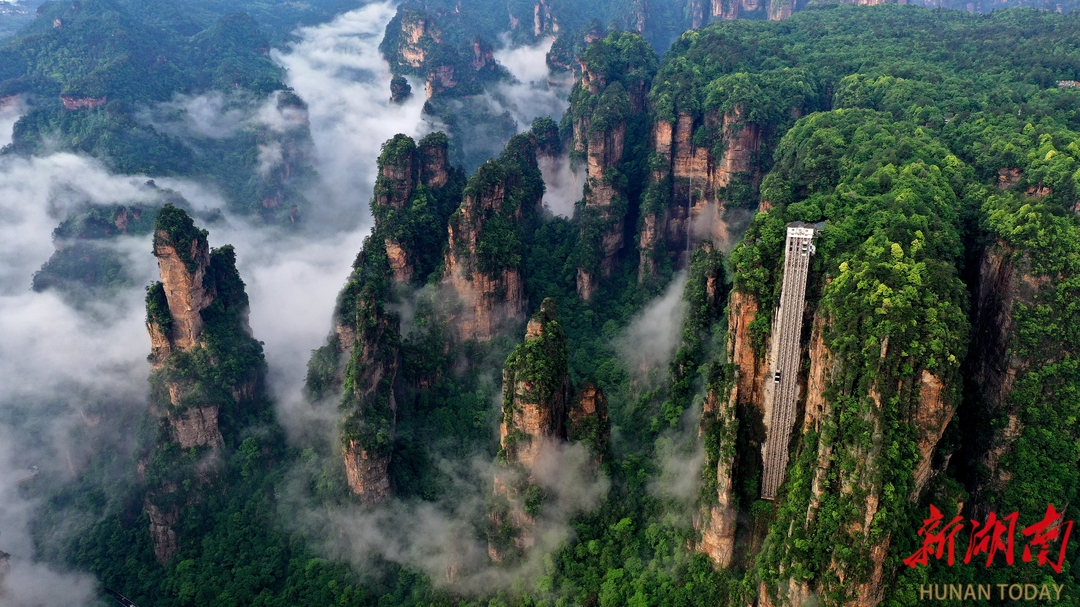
479,338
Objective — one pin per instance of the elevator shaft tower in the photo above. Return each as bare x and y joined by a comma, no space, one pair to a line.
782,384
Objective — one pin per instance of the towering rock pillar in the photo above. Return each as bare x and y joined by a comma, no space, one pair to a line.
206,367
407,190
368,402
536,400
608,110
487,237
415,192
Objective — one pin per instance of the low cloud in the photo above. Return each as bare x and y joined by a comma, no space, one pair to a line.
210,115
444,539
536,91
563,185
681,454
10,112
68,379
649,342
338,70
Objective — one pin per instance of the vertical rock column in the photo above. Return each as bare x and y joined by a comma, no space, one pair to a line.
536,400
487,239
204,360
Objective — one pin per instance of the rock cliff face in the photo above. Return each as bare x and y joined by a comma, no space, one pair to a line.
606,103
206,366
407,171
587,421
367,473
603,202
183,262
743,9
415,192
536,402
82,103
182,275
687,203
369,403
717,521
196,426
166,544
750,369
536,399
929,405
486,240
1005,280
416,45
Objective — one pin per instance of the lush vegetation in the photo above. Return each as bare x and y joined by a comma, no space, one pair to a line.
90,72
930,143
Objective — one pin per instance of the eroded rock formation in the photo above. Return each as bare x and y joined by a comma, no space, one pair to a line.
587,421
484,253
416,45
616,73
182,263
410,175
536,401
369,403
206,367
687,199
166,544
1005,281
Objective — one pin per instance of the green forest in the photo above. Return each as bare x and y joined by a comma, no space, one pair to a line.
936,151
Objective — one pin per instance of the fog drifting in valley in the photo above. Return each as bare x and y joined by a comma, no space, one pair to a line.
74,381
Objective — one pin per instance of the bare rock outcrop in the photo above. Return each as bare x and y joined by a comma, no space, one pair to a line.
203,371
406,170
587,421
166,544
82,103
718,519
182,262
687,187
196,426
536,389
369,403
483,256
616,73
743,9
367,473
536,401
1005,281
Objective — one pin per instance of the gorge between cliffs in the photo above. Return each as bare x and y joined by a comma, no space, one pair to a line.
393,366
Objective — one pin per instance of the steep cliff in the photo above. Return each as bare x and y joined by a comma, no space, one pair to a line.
536,401
587,421
415,44
206,384
487,240
368,404
1024,348
873,411
415,192
708,161
607,117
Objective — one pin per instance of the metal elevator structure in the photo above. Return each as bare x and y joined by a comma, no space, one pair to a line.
782,383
